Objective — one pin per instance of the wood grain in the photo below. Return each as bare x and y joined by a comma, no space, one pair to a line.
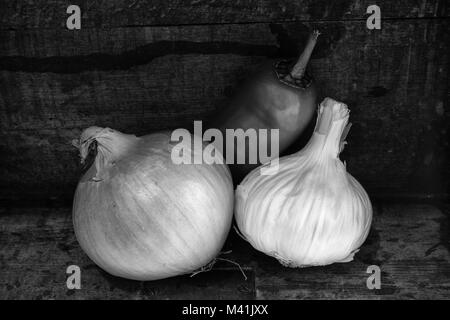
410,243
54,83
37,245
118,13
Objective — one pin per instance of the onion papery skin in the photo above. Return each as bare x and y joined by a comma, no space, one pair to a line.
139,216
312,212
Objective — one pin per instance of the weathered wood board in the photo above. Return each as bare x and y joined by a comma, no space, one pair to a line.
141,67
40,14
410,244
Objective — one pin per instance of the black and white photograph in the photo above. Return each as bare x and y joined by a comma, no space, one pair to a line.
229,157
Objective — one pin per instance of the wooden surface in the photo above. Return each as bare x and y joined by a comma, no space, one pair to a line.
118,13
409,242
144,66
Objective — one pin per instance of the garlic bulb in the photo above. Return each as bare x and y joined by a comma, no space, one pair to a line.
310,212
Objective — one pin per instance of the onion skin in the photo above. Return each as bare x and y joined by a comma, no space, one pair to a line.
140,216
279,95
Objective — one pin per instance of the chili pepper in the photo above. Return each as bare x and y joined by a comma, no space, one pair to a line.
280,95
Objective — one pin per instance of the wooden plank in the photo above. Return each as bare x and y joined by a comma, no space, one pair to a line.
408,242
399,280
118,13
151,42
37,245
146,79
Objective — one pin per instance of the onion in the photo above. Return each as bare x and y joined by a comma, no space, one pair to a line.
311,211
139,216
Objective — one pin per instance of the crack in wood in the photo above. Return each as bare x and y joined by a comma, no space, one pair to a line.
132,58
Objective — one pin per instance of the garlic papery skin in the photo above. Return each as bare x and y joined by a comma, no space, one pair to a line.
311,212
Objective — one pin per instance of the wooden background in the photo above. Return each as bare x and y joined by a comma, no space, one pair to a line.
141,66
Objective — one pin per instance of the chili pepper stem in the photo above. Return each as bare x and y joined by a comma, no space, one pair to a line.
299,68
